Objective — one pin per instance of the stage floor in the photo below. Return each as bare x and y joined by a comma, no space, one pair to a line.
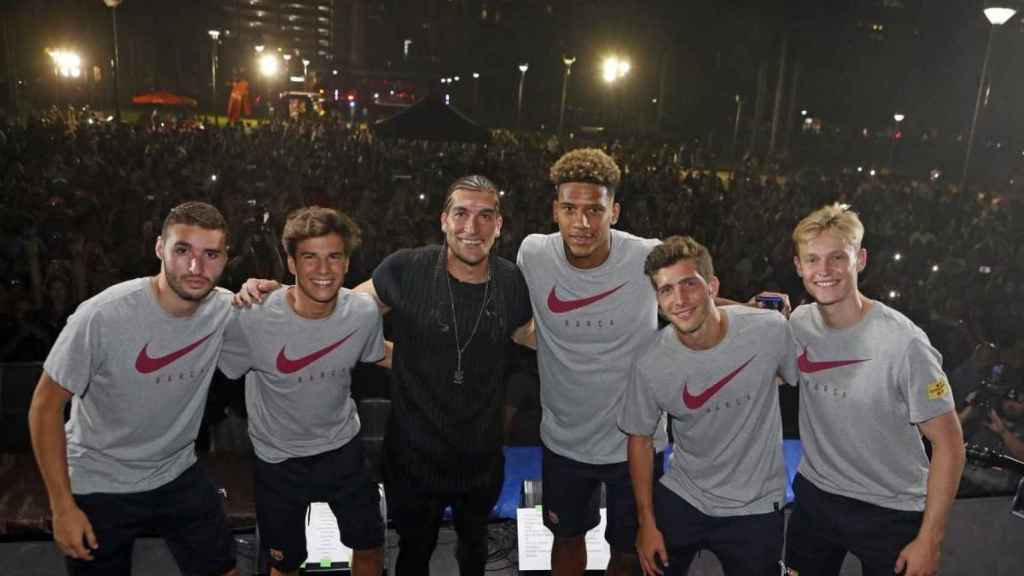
152,558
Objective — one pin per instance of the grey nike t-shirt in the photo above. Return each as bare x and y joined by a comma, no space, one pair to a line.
590,326
139,378
863,390
298,372
727,433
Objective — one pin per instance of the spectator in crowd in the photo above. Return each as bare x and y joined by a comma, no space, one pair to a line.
992,415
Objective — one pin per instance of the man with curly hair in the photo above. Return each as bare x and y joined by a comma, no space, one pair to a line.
593,312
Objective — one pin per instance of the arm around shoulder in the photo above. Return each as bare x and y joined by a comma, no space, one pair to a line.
367,287
526,335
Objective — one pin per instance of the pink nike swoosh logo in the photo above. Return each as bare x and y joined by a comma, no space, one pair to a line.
288,366
559,306
808,366
695,402
146,364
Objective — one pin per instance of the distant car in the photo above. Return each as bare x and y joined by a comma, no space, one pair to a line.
298,105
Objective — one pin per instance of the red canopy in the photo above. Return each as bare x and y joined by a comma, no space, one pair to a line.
164,98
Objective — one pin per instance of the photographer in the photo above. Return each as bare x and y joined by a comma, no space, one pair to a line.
257,256
993,417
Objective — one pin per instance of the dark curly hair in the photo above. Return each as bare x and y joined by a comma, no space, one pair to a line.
589,165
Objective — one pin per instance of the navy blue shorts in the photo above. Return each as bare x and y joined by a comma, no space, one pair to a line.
188,512
339,477
749,545
824,527
571,495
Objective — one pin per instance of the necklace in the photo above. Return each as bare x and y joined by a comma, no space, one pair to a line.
459,376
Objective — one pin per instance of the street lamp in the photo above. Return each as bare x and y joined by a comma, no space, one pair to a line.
736,126
66,64
305,68
214,35
613,69
476,92
997,15
568,61
519,106
897,119
113,4
269,65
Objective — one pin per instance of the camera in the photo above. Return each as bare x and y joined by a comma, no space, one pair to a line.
991,392
257,220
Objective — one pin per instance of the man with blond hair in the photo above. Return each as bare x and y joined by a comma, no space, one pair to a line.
871,385
713,370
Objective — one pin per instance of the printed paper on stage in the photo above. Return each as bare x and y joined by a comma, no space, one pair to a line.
323,537
535,542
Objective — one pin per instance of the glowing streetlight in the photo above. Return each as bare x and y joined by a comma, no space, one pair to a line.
997,14
258,48
476,91
67,64
522,79
305,67
897,119
214,36
614,68
568,61
269,65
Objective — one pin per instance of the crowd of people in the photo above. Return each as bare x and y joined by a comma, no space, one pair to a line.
85,207
81,204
